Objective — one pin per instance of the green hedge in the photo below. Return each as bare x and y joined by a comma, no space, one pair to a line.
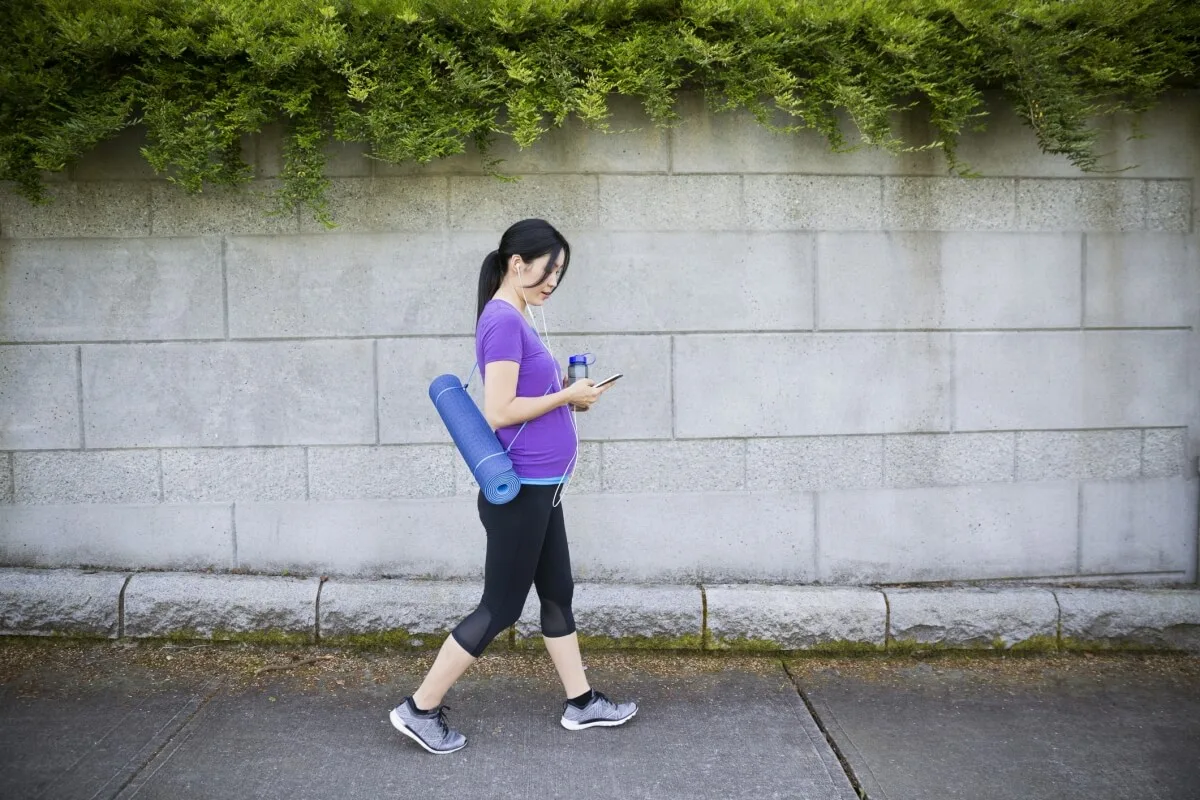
418,79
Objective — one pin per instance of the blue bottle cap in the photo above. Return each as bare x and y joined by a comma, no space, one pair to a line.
581,359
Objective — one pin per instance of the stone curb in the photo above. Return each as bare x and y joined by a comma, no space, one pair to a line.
420,613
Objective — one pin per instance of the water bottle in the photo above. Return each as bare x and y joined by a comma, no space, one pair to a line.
577,368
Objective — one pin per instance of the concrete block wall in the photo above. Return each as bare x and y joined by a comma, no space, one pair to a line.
839,369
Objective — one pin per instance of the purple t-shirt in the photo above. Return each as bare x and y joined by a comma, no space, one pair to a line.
547,444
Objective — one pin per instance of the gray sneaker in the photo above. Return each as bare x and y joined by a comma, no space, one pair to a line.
599,711
427,729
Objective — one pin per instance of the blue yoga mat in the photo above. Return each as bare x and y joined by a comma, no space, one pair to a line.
476,442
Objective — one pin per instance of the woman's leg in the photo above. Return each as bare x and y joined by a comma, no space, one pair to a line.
515,532
555,588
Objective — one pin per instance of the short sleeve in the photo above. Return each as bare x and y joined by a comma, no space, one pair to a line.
500,339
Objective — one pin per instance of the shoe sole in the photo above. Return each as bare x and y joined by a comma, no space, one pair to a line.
607,723
399,725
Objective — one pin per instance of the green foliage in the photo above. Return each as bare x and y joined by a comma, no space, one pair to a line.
418,79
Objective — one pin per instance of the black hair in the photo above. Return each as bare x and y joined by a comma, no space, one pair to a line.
530,239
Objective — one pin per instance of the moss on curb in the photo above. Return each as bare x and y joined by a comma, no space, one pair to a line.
594,642
392,638
269,636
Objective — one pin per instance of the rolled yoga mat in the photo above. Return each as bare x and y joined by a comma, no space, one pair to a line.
476,442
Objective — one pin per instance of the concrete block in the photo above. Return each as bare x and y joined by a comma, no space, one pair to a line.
568,202
676,466
947,533
381,472
972,617
370,205
229,394
814,463
1093,379
949,204
1163,453
1141,280
220,606
360,285
6,479
952,280
796,617
248,209
1138,526
810,384
77,210
426,538
699,281
342,159
215,474
1169,205
421,609
1160,618
947,459
39,397
639,405
1081,205
118,536
585,478
48,477
813,202
86,289
682,537
117,159
1082,455
637,614
671,202
406,368
60,601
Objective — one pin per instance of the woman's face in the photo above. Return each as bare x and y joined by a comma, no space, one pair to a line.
527,277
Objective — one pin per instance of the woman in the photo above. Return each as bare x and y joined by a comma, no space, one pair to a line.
525,403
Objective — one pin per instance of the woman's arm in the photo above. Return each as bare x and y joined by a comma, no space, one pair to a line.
502,407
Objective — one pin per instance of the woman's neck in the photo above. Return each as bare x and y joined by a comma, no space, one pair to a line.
513,298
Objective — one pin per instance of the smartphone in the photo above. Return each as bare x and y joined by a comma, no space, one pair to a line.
608,380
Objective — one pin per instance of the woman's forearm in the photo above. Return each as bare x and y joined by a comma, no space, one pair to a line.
523,409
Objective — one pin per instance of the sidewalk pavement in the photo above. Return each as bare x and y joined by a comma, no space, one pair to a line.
161,720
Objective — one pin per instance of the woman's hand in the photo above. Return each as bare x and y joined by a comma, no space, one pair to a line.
582,393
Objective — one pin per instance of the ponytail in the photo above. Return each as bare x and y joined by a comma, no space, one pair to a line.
491,275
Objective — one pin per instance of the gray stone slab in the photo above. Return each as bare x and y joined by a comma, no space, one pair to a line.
230,210
1138,525
973,617
427,538
891,280
111,289
1158,618
86,476
1163,453
335,742
78,210
216,474
1085,455
1169,205
342,159
6,479
815,463
220,606
417,613
948,533
364,205
658,616
568,202
1090,204
381,472
681,537
117,159
821,390
60,601
39,396
947,459
406,368
940,204
74,738
813,202
927,731
1141,279
234,394
157,536
671,202
683,466
1090,379
796,617
702,280
367,284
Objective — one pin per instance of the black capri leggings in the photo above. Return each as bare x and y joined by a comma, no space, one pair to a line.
526,544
